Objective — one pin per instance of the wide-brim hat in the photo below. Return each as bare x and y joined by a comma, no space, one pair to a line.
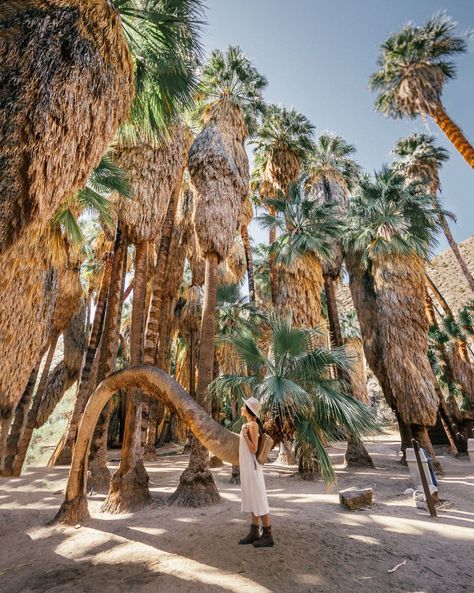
253,405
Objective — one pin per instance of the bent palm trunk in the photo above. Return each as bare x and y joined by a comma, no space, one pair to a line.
159,385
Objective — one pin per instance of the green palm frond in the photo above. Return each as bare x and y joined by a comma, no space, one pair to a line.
230,76
284,129
108,178
306,226
308,436
387,217
163,37
294,384
413,66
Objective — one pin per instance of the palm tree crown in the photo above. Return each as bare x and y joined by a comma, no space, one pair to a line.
230,77
286,130
386,216
419,157
332,159
305,226
414,65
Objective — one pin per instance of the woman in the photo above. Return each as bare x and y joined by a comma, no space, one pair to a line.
254,496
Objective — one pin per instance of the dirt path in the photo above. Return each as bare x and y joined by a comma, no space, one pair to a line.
320,547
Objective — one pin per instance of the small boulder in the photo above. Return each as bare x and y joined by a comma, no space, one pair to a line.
356,498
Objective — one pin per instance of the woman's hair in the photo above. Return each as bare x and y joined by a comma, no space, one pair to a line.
257,419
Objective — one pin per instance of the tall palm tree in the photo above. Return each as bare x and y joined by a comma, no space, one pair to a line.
294,384
420,159
306,230
230,102
282,144
55,281
414,65
391,228
331,172
62,142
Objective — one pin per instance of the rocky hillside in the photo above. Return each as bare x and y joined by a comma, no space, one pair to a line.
444,271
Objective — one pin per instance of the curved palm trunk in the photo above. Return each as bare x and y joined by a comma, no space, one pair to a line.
197,486
18,425
25,439
159,385
249,260
454,134
129,484
63,452
99,479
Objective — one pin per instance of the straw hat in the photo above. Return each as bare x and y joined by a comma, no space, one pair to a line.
253,405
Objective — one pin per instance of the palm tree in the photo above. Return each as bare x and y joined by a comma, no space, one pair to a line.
105,40
282,144
159,385
102,57
306,230
56,284
331,172
230,101
352,339
413,66
294,384
420,159
306,233
391,228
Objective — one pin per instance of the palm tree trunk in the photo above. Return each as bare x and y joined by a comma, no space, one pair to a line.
25,439
99,473
333,316
454,134
18,425
405,436
63,452
420,433
158,384
249,260
152,330
455,249
272,266
197,486
356,454
129,485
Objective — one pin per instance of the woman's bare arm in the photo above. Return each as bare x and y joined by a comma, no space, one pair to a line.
251,436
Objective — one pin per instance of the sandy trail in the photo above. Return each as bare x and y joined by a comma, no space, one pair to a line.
320,547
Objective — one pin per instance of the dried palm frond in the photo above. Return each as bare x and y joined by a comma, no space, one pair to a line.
48,96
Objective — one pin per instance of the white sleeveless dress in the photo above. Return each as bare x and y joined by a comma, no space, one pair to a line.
252,482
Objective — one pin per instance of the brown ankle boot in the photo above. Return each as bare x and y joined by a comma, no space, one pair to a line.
253,535
265,540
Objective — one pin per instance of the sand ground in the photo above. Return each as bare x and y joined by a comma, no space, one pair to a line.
320,547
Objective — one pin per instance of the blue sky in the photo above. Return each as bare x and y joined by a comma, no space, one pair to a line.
318,55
